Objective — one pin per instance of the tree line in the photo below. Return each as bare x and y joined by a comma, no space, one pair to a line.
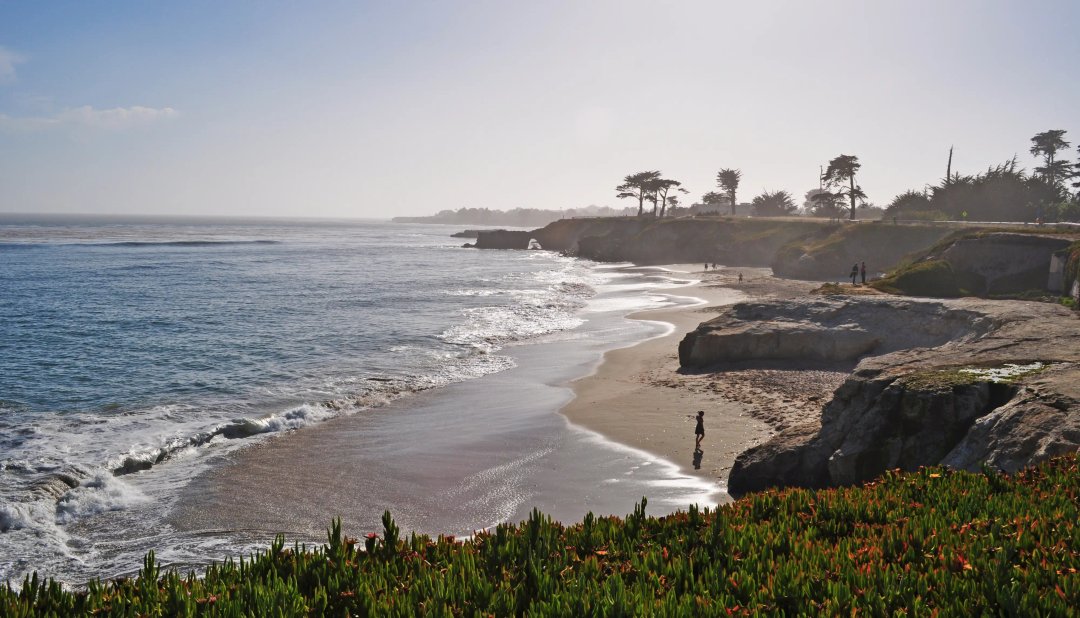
516,217
1004,192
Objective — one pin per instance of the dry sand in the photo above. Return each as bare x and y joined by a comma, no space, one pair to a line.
638,396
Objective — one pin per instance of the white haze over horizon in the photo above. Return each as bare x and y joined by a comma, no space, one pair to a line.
384,109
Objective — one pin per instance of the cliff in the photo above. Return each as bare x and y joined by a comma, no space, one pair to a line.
983,263
728,241
829,253
953,382
940,260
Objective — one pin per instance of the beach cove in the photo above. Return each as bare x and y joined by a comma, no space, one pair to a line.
640,397
484,451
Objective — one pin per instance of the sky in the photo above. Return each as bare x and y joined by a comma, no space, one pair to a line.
380,109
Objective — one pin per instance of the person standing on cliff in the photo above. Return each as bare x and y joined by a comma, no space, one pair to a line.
699,430
862,272
854,272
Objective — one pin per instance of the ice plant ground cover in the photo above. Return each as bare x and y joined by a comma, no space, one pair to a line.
1006,373
926,542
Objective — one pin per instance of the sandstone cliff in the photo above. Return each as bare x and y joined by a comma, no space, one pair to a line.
956,382
732,242
829,254
937,259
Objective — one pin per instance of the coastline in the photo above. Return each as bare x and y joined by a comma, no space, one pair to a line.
461,457
637,397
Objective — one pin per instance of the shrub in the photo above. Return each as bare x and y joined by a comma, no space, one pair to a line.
926,215
927,278
922,543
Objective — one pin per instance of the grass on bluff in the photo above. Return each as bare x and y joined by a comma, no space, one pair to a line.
932,542
932,277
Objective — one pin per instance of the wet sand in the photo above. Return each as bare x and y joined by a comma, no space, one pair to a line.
638,397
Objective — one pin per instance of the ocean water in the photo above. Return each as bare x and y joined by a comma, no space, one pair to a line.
138,356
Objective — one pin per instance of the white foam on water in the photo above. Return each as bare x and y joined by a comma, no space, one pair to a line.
100,493
682,489
623,303
94,467
473,292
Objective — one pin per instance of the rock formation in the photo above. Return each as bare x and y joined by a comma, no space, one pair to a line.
826,329
1001,263
956,382
502,239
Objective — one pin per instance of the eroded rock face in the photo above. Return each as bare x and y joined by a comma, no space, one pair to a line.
1004,262
919,406
1041,421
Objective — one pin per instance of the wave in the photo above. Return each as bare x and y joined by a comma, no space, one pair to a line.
74,468
179,243
15,246
57,492
91,487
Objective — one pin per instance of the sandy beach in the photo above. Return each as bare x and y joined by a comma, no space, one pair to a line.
479,452
638,397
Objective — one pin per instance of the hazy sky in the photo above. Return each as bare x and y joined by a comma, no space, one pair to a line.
385,108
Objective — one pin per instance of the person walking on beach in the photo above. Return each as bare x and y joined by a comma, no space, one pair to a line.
740,277
854,273
862,272
699,430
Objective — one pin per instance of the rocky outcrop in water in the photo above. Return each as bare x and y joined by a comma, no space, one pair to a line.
502,239
929,390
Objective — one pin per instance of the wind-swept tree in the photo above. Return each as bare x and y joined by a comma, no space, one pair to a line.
674,209
638,187
728,180
1046,145
842,171
664,186
774,204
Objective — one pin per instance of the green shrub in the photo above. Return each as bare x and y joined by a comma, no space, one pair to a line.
929,542
926,278
925,215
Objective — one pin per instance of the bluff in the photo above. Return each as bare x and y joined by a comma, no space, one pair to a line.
982,263
829,253
793,247
729,241
953,382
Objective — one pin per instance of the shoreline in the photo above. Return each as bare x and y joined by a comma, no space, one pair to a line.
637,397
459,458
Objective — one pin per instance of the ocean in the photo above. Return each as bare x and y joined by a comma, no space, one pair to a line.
197,386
